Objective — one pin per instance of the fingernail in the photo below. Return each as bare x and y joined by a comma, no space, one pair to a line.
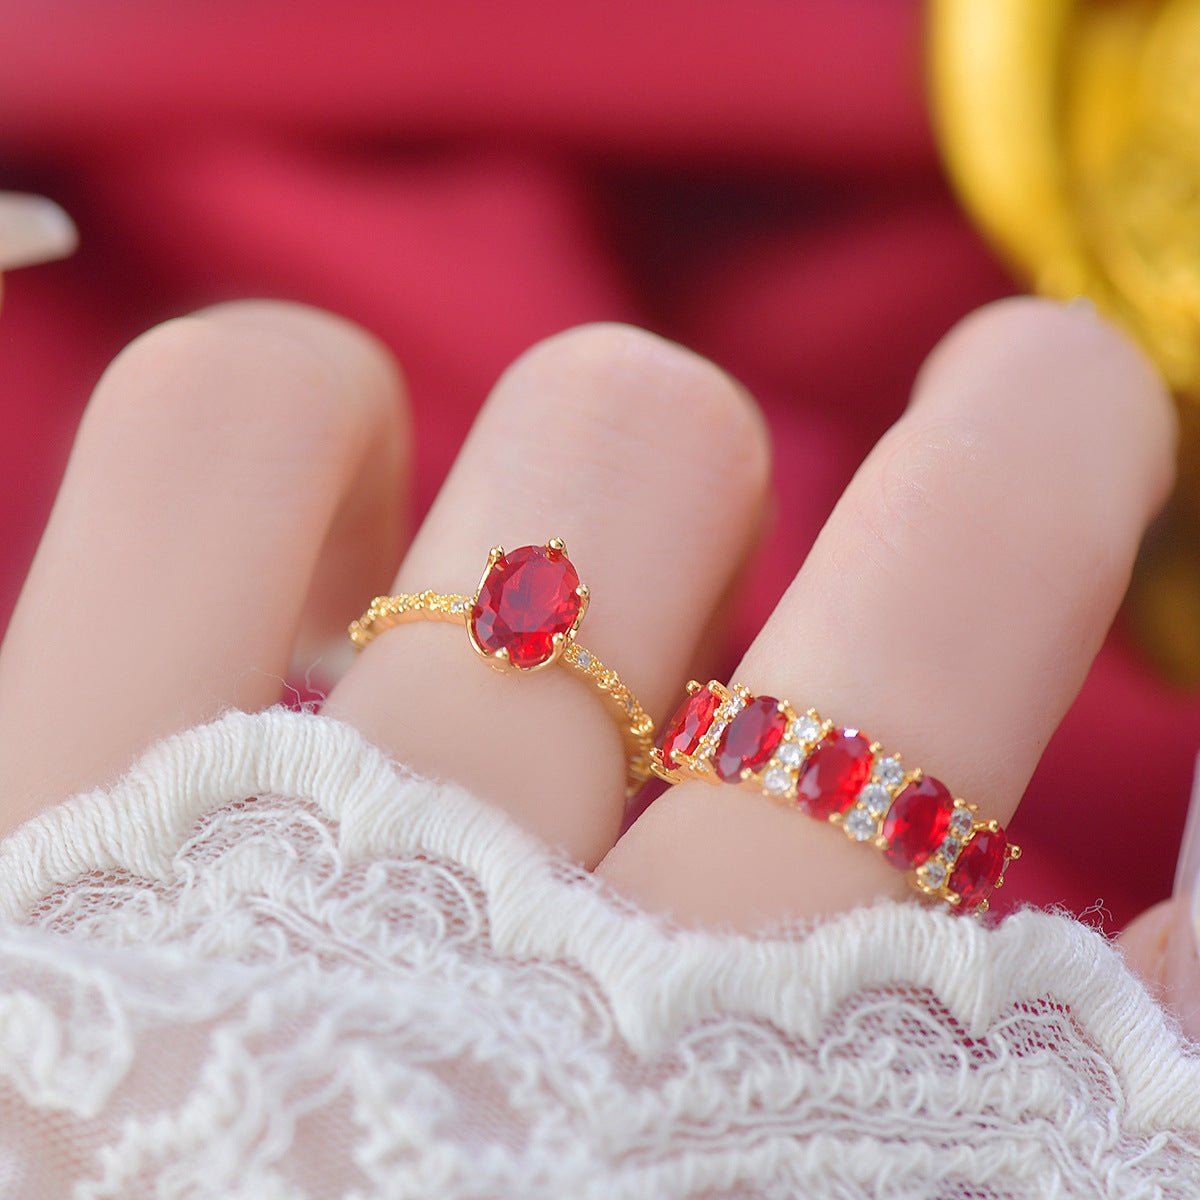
33,229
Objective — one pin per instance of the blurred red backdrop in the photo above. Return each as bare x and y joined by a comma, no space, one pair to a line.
756,180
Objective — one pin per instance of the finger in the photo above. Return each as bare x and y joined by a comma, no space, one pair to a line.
1163,944
33,230
651,464
218,455
950,607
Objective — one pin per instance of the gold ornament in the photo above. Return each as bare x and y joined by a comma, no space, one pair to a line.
1071,131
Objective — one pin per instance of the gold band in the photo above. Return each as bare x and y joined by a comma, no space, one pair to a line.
637,729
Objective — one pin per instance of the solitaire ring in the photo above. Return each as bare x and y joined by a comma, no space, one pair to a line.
524,616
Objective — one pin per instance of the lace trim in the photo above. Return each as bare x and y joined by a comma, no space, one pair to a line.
658,980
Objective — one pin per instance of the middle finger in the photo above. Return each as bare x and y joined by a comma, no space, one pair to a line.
595,436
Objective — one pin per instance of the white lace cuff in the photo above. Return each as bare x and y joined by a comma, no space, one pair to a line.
270,963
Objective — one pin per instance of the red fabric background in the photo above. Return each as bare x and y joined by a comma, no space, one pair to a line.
756,180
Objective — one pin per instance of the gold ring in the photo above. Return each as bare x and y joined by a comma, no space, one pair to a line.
525,615
797,758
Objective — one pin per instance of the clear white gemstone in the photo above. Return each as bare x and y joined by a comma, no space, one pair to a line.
777,781
860,824
733,706
583,658
789,754
889,771
806,729
876,798
960,822
717,728
456,605
934,873
949,848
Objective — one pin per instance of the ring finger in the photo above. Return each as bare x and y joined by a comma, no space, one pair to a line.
952,604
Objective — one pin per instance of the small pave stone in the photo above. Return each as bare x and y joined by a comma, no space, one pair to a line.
875,798
806,728
860,824
961,821
777,781
889,771
949,848
933,873
583,658
790,754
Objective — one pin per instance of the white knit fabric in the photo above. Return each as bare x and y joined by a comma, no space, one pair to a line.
271,964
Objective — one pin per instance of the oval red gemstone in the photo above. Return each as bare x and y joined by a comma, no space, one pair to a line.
979,865
916,824
835,773
750,739
690,723
527,597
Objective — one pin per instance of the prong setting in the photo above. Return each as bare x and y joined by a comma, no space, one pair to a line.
565,600
932,835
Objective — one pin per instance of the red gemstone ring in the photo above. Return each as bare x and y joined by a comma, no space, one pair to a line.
525,615
729,735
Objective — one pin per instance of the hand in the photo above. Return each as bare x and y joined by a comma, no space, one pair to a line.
234,497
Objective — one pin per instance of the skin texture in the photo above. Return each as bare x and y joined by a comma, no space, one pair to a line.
952,605
166,610
982,549
566,429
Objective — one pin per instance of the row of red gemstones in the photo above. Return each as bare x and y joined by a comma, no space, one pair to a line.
833,774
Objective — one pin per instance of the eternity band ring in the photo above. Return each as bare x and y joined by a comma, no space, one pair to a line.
524,616
797,758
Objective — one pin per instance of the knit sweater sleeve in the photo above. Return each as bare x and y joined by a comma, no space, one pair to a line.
270,963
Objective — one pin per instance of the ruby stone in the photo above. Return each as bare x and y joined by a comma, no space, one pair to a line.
690,723
527,597
834,774
979,865
750,739
916,824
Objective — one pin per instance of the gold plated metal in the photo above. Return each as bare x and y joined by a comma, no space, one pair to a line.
637,728
778,777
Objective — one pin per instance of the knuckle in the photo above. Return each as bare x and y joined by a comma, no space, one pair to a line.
938,485
918,476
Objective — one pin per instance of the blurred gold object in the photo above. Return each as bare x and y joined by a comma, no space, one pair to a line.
1071,130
